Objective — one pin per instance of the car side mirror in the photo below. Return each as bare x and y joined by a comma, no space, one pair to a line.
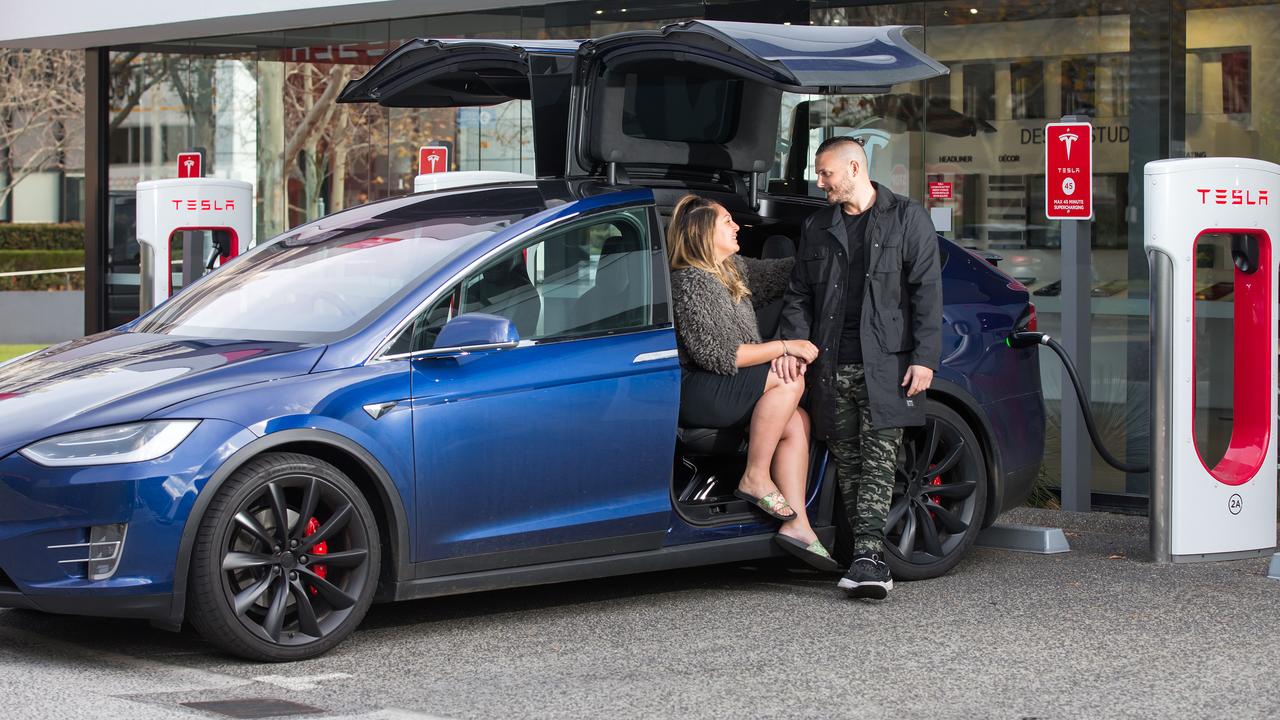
476,331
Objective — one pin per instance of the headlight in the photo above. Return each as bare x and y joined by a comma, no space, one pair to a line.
136,442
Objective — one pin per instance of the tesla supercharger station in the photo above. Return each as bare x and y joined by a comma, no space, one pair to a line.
192,212
434,174
1209,227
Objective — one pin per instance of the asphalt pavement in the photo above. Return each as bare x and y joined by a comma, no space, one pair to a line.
1099,632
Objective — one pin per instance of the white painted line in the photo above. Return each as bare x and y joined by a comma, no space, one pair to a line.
300,682
94,671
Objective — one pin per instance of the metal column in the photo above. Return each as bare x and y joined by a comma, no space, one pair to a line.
97,91
1158,516
1077,452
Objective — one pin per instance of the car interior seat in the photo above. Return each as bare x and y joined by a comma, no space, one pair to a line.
768,315
505,289
617,300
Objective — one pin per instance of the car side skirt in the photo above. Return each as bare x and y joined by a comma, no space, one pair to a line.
732,550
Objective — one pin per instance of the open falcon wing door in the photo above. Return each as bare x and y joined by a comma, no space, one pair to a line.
432,73
706,93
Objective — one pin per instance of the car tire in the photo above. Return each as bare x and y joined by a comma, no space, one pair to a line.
947,489
258,587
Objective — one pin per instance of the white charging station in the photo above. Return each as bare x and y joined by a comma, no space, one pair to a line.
430,182
195,204
1209,224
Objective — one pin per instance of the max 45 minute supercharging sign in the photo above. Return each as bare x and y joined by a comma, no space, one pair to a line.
1068,171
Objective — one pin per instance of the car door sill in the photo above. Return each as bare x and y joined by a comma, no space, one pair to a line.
669,558
541,555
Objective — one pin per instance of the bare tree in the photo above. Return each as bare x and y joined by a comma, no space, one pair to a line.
309,108
41,92
132,74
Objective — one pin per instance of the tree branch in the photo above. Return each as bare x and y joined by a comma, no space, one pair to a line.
320,110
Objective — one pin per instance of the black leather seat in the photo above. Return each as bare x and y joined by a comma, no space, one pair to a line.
506,290
768,316
617,300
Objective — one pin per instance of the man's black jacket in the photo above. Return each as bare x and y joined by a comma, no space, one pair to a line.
901,307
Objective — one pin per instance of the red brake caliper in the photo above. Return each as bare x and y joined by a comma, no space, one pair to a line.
320,548
936,499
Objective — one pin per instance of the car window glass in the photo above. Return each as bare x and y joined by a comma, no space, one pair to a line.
422,332
328,279
593,277
677,107
882,123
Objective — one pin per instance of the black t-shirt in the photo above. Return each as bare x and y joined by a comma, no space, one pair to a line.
855,226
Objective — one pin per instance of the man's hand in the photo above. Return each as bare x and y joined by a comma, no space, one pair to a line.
789,368
917,380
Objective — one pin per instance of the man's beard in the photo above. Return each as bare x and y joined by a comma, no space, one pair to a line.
840,194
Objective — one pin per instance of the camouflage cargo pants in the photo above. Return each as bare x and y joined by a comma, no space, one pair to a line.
866,460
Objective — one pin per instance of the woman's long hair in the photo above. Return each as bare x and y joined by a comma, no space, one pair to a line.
690,243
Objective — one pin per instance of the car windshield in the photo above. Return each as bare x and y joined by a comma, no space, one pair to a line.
328,279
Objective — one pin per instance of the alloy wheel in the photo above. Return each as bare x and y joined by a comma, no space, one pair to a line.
938,499
296,560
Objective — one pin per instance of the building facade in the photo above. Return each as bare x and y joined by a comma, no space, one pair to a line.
1157,78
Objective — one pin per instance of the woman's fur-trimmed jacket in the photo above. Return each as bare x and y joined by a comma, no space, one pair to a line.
709,324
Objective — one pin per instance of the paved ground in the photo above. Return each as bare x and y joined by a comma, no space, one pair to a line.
1097,633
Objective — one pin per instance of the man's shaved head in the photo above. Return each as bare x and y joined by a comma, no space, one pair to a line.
841,166
845,148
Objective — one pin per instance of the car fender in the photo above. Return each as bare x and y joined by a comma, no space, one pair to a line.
386,488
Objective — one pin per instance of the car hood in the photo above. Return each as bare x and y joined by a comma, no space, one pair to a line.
119,377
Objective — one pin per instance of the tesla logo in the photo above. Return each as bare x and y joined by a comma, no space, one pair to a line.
1232,196
432,159
189,165
1235,504
204,204
1067,139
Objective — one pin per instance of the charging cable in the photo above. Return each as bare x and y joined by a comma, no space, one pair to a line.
1028,339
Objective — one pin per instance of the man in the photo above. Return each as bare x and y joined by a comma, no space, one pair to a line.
866,289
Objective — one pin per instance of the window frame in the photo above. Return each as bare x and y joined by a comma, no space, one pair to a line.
658,281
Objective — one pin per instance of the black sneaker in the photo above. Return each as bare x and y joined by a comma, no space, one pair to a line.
868,577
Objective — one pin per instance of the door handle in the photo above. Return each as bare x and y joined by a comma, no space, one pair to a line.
651,356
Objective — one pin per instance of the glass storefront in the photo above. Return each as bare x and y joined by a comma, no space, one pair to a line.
1156,79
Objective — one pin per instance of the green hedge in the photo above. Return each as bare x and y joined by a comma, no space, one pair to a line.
17,260
41,236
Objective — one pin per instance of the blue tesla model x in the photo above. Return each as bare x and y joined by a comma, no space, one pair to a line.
477,387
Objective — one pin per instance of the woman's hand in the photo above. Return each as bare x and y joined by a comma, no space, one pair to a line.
789,368
803,349
766,352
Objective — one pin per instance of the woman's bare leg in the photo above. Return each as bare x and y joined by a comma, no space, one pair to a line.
791,473
769,420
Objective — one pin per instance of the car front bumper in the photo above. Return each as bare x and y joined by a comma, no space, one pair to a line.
46,514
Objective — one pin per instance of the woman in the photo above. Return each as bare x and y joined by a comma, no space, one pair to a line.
726,379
